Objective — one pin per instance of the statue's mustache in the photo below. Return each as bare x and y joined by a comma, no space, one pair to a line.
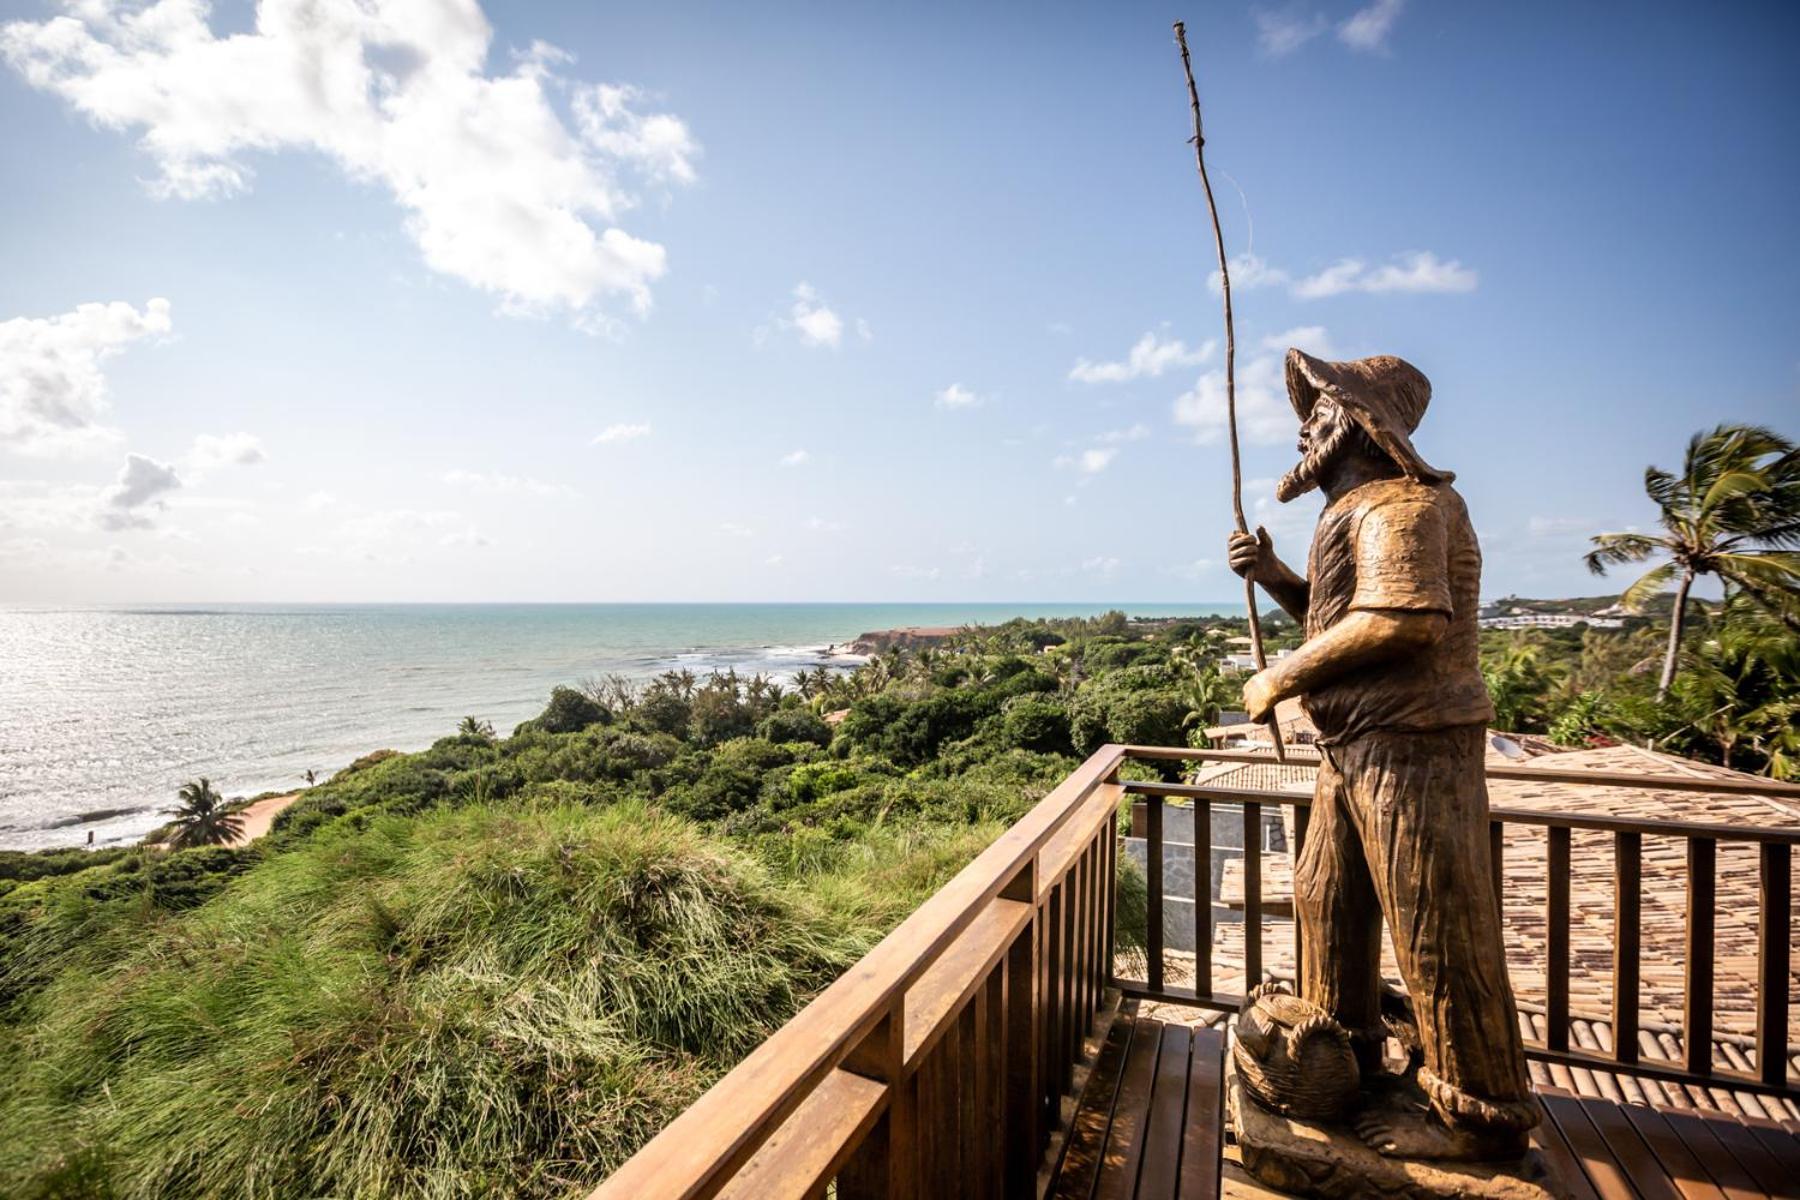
1304,476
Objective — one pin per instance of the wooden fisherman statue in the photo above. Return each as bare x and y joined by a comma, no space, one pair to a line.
1399,825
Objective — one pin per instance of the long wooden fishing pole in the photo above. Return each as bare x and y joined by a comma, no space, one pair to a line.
1237,471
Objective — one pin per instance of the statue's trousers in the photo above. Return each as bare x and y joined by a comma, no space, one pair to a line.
1399,829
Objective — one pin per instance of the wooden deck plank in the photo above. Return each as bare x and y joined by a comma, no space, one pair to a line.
1204,1138
1784,1146
1749,1152
1125,1140
1646,1173
1093,1117
1168,1111
1565,1166
1697,1135
1597,1162
1684,1170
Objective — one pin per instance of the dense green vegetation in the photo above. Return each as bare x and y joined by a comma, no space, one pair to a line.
1728,686
496,966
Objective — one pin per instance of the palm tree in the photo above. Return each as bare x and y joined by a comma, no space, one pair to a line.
1733,512
475,727
201,818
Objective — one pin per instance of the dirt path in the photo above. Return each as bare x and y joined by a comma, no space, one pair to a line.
259,816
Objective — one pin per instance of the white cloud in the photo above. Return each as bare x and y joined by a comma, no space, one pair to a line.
226,449
736,530
621,433
1367,28
1136,433
795,458
470,537
1282,31
141,484
911,572
1421,271
1149,358
957,396
1091,461
1102,565
1097,459
52,390
497,190
320,502
501,485
774,560
1264,414
815,322
1249,272
822,525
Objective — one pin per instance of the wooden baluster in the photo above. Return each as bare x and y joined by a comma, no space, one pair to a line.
1053,1017
1109,882
1203,922
1772,955
1078,960
1153,908
1628,857
885,1166
993,1070
1697,1023
1023,1130
1071,1023
1556,967
1253,950
1496,864
1302,818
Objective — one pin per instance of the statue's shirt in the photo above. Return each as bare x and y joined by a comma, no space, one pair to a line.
1402,546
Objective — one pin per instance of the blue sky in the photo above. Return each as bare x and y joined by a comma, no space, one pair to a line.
331,310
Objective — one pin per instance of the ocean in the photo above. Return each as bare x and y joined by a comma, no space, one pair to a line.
106,712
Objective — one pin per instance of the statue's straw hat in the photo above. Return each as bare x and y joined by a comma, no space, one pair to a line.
1386,395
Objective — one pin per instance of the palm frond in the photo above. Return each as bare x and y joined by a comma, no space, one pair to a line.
1612,549
1651,583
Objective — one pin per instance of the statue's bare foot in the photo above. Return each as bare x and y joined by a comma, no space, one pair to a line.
1414,1134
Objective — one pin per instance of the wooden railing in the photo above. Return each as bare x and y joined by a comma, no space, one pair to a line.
1770,1075
939,1063
936,1066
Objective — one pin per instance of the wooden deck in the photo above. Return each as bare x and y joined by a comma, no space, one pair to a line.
1150,1121
1149,1124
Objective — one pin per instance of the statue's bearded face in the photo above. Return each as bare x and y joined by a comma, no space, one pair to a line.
1325,438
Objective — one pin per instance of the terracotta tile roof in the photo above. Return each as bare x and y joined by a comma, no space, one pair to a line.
1664,892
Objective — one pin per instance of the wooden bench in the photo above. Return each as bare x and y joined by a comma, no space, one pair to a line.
1150,1122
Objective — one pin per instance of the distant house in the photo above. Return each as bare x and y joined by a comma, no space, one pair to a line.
1520,618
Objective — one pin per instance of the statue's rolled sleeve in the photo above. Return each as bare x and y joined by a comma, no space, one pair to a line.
1402,558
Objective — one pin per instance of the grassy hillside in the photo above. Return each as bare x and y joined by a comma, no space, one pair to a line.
497,966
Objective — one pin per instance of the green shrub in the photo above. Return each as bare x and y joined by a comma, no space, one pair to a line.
795,725
571,711
1036,723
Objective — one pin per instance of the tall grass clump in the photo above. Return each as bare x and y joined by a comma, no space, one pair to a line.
467,1002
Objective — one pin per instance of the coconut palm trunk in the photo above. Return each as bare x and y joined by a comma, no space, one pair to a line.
1677,620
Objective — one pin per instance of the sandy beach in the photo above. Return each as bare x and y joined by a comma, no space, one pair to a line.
259,816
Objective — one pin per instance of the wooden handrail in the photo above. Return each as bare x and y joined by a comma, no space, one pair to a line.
1625,779
696,1155
1513,816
